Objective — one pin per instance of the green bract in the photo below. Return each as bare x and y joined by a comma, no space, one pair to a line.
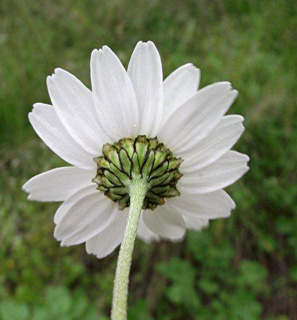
134,159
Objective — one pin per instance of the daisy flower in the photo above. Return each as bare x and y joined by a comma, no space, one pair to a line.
133,131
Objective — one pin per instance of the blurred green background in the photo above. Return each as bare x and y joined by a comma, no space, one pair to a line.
244,267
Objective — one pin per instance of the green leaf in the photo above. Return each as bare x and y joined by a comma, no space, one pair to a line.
10,310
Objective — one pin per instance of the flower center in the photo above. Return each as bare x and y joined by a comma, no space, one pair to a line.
133,159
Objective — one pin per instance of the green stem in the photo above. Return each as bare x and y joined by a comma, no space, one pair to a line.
137,193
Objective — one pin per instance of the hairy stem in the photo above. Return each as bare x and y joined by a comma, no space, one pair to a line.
137,192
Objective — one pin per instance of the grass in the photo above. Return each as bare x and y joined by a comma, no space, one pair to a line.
244,267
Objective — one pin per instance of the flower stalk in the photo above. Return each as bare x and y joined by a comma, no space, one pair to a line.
137,191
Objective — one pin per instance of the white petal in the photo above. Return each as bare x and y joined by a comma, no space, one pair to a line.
106,241
165,222
212,205
48,126
196,223
75,108
179,87
144,233
220,174
89,215
69,202
58,184
194,120
114,94
145,71
220,140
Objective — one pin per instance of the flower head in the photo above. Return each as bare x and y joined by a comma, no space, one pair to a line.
132,125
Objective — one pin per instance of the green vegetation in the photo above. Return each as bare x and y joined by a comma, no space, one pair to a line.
244,267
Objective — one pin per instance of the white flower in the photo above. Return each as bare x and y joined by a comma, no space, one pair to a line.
125,104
